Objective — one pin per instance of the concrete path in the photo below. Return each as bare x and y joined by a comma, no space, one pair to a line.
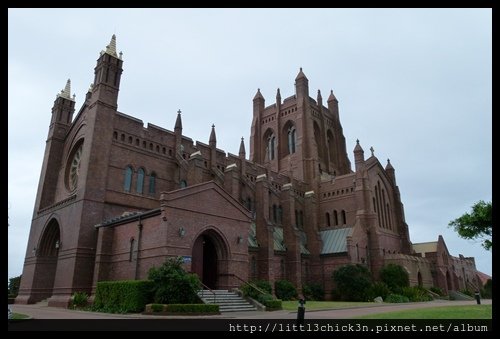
40,311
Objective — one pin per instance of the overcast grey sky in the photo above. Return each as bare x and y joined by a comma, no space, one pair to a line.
416,84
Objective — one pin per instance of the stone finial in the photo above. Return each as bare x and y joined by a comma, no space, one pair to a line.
178,121
213,139
373,151
389,165
332,97
242,151
66,92
301,75
111,48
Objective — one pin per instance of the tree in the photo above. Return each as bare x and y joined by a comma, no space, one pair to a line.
173,285
477,224
14,286
395,277
352,282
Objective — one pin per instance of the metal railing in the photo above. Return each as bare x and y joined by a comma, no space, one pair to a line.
245,282
206,288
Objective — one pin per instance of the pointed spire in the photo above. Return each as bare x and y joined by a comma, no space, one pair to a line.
111,48
66,92
258,95
213,139
242,152
278,96
389,166
358,147
319,98
178,121
332,97
300,75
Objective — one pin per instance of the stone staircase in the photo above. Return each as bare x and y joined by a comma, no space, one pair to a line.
227,301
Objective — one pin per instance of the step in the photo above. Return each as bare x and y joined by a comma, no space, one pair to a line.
227,301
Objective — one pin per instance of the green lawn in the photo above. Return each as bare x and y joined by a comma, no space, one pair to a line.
446,312
322,305
19,316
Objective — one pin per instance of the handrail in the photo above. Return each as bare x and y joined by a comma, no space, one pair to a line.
245,282
208,288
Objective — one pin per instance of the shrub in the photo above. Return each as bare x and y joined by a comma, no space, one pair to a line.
336,295
396,298
378,289
486,291
249,291
285,290
437,290
416,293
352,282
264,298
313,291
157,307
173,285
395,276
80,299
122,296
467,292
193,308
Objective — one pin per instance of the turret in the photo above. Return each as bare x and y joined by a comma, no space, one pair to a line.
359,156
212,142
64,106
333,105
107,75
390,172
178,131
301,85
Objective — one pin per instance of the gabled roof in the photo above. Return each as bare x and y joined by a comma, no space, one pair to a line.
334,241
188,198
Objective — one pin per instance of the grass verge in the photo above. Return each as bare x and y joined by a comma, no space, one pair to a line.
444,312
323,305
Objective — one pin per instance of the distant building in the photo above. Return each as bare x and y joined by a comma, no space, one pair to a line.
116,198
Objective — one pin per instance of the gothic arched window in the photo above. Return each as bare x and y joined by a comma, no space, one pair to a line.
140,180
128,179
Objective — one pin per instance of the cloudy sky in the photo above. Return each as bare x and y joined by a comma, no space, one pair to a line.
414,84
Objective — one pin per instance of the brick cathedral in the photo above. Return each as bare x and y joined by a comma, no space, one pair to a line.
116,198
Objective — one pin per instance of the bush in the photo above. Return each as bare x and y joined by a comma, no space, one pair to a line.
378,289
249,291
486,291
313,291
264,298
467,292
336,295
396,298
395,276
285,290
80,299
352,282
193,308
416,293
122,296
173,285
437,290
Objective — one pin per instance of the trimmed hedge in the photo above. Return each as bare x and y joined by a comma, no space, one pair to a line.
273,305
157,307
122,296
192,308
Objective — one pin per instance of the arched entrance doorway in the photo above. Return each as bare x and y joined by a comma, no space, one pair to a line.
209,252
47,255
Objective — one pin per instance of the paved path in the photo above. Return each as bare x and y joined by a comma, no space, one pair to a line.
40,311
